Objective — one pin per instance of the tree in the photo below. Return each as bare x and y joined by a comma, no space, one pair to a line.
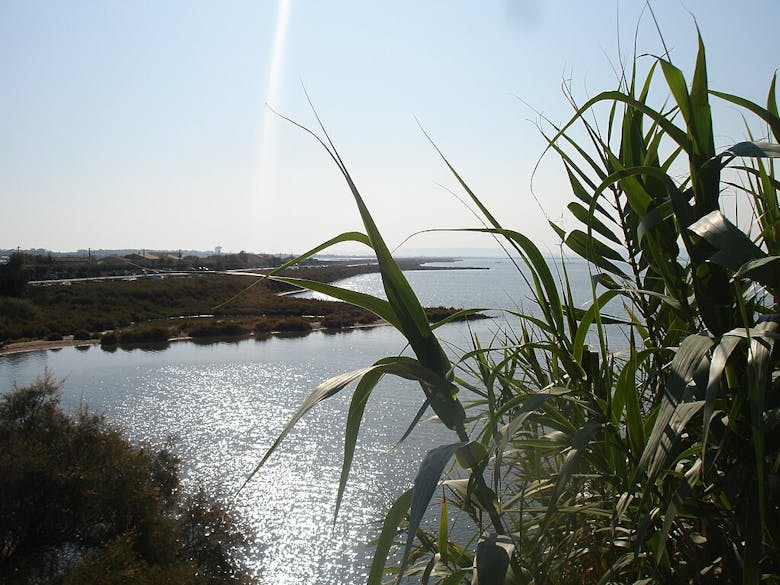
80,504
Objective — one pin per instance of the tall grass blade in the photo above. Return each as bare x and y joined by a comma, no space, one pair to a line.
390,525
683,490
377,306
771,118
425,484
357,406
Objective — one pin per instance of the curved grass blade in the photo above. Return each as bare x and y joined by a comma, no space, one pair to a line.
409,313
458,315
425,484
402,366
595,252
354,419
380,307
758,376
720,357
320,393
588,317
734,248
579,445
444,528
685,487
770,118
345,237
392,521
545,285
588,218
689,359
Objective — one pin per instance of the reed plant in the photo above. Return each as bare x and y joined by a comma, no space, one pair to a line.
601,446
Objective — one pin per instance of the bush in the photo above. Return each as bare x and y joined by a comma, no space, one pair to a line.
218,330
109,339
81,335
144,335
81,504
291,324
54,337
263,326
14,308
338,321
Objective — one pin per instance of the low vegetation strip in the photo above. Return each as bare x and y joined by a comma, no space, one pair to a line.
89,309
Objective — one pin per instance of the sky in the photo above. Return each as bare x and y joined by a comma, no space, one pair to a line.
144,124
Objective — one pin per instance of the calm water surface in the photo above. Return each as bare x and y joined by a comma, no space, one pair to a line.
224,404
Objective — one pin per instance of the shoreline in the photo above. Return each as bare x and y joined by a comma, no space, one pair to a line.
43,345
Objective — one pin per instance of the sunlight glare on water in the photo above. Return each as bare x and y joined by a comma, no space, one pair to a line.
223,405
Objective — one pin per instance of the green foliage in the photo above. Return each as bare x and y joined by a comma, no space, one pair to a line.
291,324
80,504
145,335
219,329
652,455
106,305
110,338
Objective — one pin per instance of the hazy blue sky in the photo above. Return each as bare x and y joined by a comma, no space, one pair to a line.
142,123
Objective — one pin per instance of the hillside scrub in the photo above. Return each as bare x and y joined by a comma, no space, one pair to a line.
81,504
651,454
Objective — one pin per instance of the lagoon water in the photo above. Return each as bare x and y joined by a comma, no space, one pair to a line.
223,404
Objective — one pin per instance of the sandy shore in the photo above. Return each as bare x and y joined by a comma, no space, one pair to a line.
39,344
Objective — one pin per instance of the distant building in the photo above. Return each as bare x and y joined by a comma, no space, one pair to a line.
218,250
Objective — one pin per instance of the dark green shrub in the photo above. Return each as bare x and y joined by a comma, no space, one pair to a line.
218,330
81,335
291,324
263,326
109,339
338,321
81,504
14,308
54,337
144,335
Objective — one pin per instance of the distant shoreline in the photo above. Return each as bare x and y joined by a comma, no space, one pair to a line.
43,345
327,272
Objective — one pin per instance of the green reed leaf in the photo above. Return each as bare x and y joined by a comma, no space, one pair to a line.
592,222
579,444
595,252
354,419
444,528
587,319
734,248
390,526
380,307
767,116
684,488
425,484
689,359
320,393
720,357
